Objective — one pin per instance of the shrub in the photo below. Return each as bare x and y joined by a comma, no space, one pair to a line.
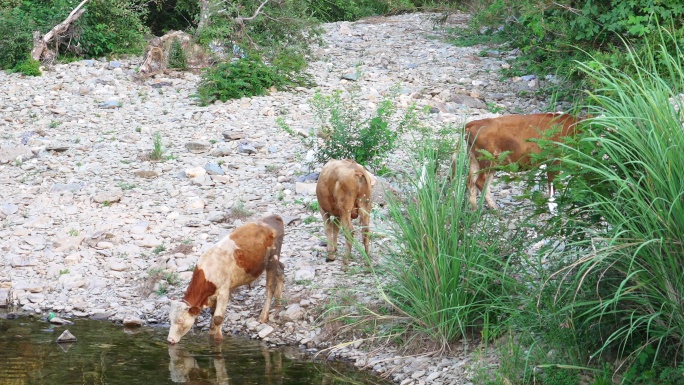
107,26
346,134
15,37
553,34
112,26
338,10
28,67
177,57
248,76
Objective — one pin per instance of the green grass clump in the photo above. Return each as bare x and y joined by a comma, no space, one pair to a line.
446,274
157,152
633,182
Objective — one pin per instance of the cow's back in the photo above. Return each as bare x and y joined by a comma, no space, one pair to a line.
341,179
513,133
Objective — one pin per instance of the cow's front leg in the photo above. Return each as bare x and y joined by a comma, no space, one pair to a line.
331,227
219,309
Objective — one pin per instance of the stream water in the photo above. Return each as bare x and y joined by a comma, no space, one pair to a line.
105,353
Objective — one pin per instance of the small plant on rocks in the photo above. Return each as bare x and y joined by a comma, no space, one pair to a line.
157,149
239,211
177,57
159,249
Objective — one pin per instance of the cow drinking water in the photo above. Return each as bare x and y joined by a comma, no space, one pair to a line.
237,259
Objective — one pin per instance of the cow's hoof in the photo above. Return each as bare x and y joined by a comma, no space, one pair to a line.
330,258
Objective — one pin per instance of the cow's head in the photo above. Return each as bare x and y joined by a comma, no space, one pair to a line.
182,318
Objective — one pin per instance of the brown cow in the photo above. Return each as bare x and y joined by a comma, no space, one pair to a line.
509,133
237,259
344,191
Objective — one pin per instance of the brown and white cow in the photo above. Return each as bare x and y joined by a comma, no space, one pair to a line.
510,133
237,259
344,191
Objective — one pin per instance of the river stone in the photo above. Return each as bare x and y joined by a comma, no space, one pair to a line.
246,148
61,187
132,322
111,195
305,188
266,331
353,76
198,147
23,261
293,312
313,177
109,104
230,135
9,209
10,154
305,274
60,321
195,172
66,336
468,101
57,147
213,169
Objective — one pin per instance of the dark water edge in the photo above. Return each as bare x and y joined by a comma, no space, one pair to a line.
110,354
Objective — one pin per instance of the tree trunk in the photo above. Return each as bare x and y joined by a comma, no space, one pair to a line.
203,16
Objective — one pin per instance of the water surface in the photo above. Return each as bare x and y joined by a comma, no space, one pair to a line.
109,354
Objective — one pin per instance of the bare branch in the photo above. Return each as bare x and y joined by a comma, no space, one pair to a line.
40,43
256,13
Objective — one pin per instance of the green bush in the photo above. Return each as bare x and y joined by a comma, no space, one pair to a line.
112,27
15,37
106,27
28,67
177,57
552,34
245,77
338,10
347,135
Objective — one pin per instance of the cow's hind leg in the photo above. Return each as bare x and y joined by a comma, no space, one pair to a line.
346,225
274,286
364,218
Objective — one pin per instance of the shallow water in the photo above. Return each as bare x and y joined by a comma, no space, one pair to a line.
109,354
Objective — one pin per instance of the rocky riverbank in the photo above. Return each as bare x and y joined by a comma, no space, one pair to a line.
92,227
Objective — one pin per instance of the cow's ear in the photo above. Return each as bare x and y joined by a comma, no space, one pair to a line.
194,311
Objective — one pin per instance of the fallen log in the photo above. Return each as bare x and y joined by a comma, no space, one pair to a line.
40,43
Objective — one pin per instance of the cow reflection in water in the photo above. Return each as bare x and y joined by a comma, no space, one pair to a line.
185,369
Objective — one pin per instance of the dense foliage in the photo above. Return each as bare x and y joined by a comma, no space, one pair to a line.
107,26
551,34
